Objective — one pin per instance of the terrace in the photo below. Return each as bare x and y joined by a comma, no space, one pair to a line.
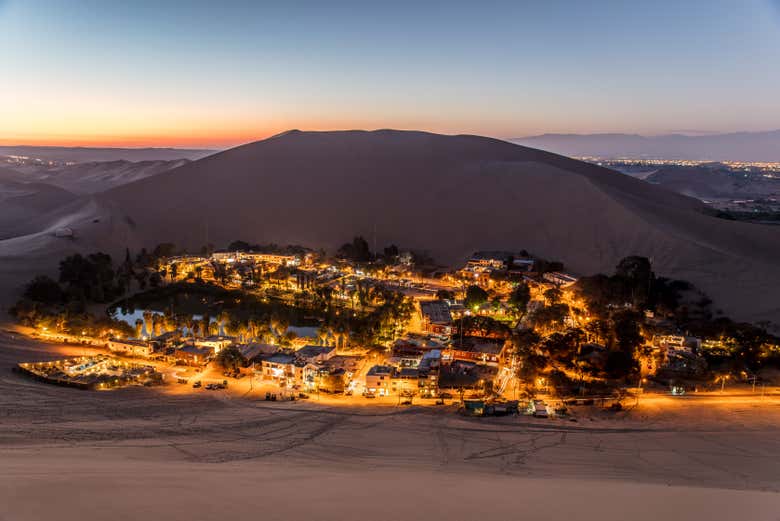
92,372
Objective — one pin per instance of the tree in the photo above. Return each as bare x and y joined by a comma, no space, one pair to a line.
620,364
90,277
525,340
475,297
156,278
637,274
520,297
553,295
390,252
599,331
45,290
627,334
230,358
148,316
444,294
164,250
549,316
239,246
357,250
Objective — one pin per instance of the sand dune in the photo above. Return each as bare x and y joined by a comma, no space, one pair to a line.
35,249
168,454
452,195
93,177
87,154
713,182
21,201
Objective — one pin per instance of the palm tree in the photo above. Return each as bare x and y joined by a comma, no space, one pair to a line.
223,317
254,326
157,323
322,336
191,323
205,322
139,327
148,321
279,324
243,331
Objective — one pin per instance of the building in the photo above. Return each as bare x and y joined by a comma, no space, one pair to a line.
406,381
324,378
487,260
436,317
672,344
138,348
168,339
278,366
193,355
313,354
215,343
286,369
522,265
379,380
561,280
484,351
254,353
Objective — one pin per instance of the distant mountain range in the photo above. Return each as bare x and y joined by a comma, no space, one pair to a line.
88,154
738,146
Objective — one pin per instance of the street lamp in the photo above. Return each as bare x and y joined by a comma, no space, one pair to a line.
723,382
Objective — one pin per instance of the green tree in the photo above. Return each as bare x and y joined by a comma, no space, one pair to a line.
230,358
475,297
520,297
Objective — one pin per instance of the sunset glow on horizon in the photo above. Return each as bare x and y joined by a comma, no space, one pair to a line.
157,74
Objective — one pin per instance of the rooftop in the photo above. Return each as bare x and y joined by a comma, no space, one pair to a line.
378,370
310,351
436,311
280,358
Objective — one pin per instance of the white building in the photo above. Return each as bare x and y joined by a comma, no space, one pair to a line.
130,347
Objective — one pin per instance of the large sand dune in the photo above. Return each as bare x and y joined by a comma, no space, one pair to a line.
452,195
171,454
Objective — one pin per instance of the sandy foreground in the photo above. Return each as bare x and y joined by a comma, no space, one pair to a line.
163,454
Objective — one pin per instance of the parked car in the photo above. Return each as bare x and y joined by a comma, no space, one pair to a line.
196,385
540,409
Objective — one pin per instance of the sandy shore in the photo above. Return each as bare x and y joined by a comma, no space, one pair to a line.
158,453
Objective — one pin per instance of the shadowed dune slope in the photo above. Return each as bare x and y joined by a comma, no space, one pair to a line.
451,195
89,178
20,202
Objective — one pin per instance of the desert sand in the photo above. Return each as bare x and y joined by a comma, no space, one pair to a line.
167,454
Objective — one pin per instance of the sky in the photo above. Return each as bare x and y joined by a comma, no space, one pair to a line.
215,74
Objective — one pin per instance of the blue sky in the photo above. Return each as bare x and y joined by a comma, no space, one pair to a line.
217,73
